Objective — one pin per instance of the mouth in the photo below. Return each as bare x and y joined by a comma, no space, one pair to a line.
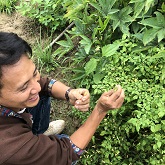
34,98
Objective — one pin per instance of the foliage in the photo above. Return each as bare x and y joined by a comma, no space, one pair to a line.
121,42
47,12
135,133
7,6
99,23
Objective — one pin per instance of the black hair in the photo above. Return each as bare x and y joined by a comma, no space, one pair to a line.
12,47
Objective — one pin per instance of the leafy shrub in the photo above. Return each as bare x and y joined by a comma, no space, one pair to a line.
47,12
135,133
122,42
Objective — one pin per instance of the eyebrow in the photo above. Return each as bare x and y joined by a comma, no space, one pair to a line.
19,88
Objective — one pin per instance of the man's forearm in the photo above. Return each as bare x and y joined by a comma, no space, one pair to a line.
83,135
58,90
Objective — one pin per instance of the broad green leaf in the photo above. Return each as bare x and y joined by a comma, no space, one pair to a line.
149,35
159,144
160,19
161,113
106,5
148,5
97,77
110,49
65,43
80,27
138,7
124,28
122,19
91,66
161,34
116,23
87,43
152,22
155,22
156,128
96,6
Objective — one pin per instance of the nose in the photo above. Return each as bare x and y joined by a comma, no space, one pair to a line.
36,88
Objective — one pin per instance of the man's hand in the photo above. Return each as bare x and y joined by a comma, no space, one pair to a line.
80,98
111,99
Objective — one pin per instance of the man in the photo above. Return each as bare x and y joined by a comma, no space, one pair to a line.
25,108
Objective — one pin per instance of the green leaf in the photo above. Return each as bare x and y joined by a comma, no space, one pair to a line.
156,128
157,22
161,34
152,22
159,144
64,43
97,77
148,5
87,43
110,49
91,66
160,19
122,19
159,55
149,35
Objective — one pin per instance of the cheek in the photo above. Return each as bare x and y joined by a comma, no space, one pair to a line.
22,97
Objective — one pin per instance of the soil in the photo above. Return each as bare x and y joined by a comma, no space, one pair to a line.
19,24
26,29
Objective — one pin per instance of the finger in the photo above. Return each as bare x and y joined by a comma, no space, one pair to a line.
120,100
82,107
75,94
80,102
116,94
109,93
85,94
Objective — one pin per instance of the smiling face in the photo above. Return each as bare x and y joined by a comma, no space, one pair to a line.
20,85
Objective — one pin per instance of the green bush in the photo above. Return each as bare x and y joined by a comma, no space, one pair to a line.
47,12
135,133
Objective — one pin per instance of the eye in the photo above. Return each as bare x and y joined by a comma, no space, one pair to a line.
24,88
35,74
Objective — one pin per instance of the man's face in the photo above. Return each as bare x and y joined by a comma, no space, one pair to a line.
20,85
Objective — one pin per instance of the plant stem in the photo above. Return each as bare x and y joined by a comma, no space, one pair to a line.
59,36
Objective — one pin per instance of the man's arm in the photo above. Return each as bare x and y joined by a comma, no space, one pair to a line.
108,101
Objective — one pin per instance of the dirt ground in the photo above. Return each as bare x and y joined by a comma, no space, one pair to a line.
17,24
